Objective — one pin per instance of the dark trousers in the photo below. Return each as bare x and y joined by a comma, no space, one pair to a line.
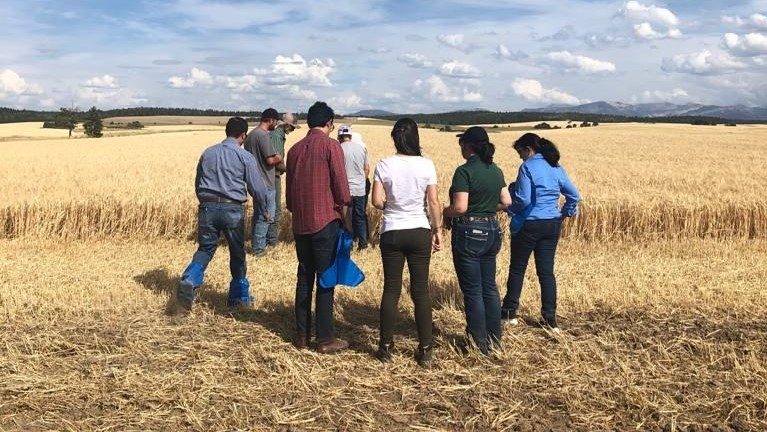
413,245
230,220
539,237
360,220
475,247
315,253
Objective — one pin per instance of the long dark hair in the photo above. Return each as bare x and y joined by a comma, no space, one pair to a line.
540,145
405,137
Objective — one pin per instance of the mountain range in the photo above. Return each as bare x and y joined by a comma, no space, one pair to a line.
649,110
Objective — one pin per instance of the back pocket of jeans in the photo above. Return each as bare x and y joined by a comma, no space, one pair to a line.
476,240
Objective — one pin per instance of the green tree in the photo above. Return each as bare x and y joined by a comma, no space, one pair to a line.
67,119
92,123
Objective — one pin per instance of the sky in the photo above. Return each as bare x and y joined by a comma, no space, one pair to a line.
401,56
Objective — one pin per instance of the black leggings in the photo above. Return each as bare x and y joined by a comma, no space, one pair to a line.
413,245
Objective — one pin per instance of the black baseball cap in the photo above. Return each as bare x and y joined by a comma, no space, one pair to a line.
269,114
474,134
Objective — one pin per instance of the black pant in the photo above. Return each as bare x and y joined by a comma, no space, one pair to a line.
539,237
360,219
413,245
315,253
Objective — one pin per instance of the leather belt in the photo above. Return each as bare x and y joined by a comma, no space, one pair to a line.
467,219
220,200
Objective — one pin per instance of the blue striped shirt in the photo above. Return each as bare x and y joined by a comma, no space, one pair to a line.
536,193
226,170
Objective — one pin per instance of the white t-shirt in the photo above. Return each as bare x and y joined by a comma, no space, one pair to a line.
405,179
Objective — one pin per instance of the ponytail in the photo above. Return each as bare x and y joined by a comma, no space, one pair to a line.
549,151
485,150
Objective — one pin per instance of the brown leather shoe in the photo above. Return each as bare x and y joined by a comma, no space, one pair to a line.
332,346
301,342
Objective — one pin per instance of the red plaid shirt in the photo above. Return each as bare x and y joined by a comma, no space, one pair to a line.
317,187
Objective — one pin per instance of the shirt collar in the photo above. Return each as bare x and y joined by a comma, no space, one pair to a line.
230,141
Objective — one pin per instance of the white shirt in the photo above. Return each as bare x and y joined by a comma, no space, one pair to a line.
405,179
355,159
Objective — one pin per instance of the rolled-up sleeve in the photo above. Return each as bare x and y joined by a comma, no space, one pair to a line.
568,189
256,185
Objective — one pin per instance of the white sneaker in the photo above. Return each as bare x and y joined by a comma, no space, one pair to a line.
556,330
513,321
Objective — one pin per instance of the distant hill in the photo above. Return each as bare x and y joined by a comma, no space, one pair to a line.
651,110
371,113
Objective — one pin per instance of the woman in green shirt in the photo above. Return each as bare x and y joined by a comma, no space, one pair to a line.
477,192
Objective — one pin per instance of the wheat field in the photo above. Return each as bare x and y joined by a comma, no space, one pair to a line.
661,297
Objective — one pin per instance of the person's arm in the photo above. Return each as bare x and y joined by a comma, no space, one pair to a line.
256,185
366,167
460,203
379,196
288,184
523,192
339,182
435,216
266,150
504,199
572,197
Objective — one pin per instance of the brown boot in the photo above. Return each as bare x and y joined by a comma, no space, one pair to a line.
332,346
301,342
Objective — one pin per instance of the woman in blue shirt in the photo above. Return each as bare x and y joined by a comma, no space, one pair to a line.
536,220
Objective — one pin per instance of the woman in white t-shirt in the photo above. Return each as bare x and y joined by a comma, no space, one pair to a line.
405,188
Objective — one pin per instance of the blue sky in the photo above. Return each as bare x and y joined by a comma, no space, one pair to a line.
403,56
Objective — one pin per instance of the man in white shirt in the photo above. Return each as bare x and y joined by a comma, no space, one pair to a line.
357,170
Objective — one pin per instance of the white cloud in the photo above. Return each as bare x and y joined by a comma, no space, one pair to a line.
106,81
637,12
533,90
297,93
12,84
196,76
750,45
296,70
454,41
647,32
451,40
242,83
503,52
674,95
580,63
346,103
458,69
701,63
109,97
755,21
415,60
438,91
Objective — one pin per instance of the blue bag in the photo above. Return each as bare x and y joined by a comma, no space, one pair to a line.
343,271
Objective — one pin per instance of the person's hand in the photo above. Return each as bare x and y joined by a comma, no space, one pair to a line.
447,223
267,217
436,240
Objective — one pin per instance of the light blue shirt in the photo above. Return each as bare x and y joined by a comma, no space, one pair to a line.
227,170
536,193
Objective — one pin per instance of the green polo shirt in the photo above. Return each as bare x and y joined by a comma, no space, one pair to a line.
482,182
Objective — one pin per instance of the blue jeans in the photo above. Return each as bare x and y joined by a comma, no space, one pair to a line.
273,232
315,253
230,220
475,247
541,238
360,220
260,225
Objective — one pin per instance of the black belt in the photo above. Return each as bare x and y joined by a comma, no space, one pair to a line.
467,219
220,200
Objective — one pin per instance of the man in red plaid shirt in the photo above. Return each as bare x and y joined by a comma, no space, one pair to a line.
317,195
